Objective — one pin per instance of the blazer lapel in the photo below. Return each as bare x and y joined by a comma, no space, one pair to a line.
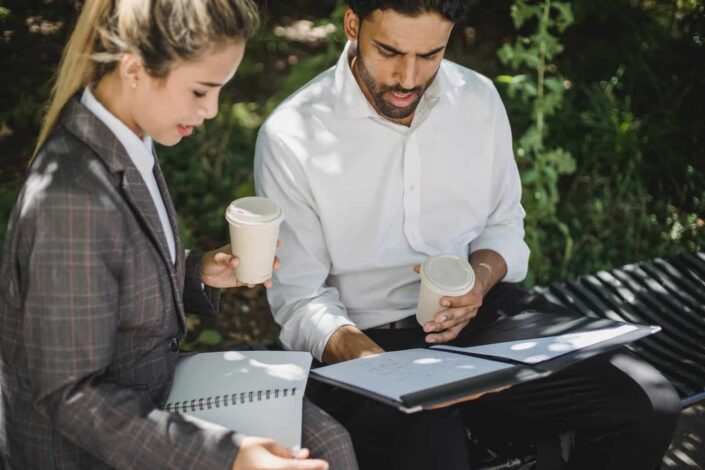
139,198
173,220
91,130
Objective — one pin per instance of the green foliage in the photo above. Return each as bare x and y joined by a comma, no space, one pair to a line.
542,91
609,204
633,123
209,338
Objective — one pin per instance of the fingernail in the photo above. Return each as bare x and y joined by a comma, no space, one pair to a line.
446,303
430,340
443,318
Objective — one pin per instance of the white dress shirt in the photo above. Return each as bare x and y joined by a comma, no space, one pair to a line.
365,199
140,152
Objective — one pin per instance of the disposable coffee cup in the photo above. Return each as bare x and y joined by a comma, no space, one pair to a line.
254,230
442,275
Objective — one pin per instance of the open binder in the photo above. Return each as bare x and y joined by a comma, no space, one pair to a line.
509,351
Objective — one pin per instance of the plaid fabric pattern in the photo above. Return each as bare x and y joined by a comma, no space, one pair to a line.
91,310
326,439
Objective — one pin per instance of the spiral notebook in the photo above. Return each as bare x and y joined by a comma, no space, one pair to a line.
257,393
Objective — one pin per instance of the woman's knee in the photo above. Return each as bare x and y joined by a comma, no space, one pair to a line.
326,438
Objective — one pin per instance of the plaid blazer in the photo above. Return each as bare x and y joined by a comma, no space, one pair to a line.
92,313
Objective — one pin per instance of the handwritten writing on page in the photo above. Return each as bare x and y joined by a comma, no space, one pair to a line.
397,373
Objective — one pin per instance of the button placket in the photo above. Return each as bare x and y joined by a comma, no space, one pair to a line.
412,194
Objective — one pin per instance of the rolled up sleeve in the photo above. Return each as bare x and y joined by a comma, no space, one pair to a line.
504,230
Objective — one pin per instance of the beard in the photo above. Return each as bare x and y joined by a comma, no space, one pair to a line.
377,91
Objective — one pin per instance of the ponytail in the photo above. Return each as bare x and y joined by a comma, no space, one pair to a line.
161,32
77,67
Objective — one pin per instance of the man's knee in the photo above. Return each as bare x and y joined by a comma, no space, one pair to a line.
434,439
658,402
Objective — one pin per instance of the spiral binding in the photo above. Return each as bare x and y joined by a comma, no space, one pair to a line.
231,399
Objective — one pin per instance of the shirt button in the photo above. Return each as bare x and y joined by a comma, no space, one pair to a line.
174,344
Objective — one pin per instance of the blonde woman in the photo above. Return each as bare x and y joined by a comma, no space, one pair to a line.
95,279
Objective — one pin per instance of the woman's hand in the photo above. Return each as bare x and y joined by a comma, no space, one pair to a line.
218,269
264,454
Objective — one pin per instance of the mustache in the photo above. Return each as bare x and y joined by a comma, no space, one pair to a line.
401,89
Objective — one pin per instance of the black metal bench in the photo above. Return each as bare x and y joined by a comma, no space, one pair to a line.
666,292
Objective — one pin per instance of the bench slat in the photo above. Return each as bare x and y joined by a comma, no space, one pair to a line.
669,292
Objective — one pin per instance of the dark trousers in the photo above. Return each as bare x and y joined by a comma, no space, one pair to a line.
620,410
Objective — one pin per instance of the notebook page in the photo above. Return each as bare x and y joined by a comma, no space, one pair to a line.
397,373
536,350
258,393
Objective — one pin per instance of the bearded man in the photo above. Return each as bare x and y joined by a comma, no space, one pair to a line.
391,156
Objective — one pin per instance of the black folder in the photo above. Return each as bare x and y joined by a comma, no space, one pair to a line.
511,350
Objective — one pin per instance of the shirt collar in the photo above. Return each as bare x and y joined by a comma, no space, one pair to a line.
351,102
447,79
139,150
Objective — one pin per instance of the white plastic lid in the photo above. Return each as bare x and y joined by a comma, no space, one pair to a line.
448,274
253,211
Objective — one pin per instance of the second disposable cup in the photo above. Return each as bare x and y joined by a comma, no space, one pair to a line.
442,275
254,229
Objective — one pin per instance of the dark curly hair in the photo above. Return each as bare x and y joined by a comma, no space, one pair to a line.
452,10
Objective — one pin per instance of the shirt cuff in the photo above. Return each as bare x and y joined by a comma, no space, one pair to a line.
510,246
320,345
313,330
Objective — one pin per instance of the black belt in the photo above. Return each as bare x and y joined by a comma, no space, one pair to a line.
403,324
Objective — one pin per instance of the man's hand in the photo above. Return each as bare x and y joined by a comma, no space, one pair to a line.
264,454
448,323
218,269
489,268
348,342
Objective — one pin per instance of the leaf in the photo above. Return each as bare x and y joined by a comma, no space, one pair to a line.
551,103
554,84
565,15
531,140
525,56
529,89
521,12
245,115
209,337
529,176
505,53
